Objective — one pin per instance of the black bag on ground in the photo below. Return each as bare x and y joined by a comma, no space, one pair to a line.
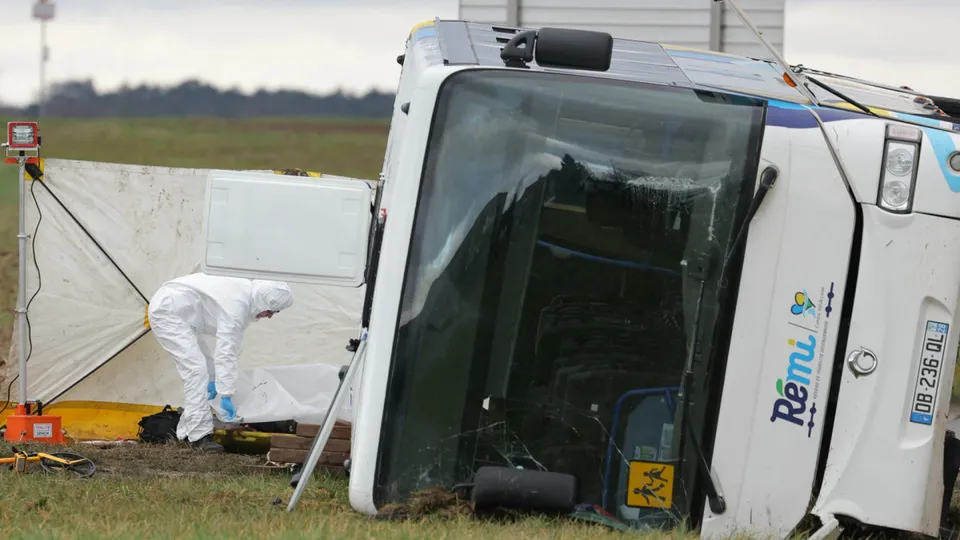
160,427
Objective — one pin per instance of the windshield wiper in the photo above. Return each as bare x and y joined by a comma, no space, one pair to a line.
767,179
797,77
837,93
699,270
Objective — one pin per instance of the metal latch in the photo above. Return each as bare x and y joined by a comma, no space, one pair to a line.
862,361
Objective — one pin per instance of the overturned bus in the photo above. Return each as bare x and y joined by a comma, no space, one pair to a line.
705,288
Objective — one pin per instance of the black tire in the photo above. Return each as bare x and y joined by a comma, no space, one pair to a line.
504,487
83,469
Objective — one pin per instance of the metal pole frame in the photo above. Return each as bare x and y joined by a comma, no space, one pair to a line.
321,441
42,96
22,280
22,156
798,78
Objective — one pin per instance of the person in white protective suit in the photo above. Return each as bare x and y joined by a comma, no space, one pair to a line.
186,308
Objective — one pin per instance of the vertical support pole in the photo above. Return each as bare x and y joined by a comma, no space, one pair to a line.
321,441
22,283
513,12
42,96
716,26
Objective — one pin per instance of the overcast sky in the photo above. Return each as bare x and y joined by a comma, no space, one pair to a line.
322,45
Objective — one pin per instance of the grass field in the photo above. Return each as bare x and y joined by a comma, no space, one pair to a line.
172,492
147,492
163,492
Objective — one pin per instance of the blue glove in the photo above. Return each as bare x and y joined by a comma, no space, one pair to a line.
227,405
211,390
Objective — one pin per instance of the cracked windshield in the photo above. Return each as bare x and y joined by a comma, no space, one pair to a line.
570,237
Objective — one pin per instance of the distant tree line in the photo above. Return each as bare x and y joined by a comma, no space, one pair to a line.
80,99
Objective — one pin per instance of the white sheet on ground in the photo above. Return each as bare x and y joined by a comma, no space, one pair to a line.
301,393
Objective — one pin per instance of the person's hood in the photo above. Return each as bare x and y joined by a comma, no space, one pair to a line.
269,296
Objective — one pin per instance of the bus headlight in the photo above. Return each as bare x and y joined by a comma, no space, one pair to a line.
899,175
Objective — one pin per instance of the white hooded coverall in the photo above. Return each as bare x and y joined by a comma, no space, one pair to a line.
185,308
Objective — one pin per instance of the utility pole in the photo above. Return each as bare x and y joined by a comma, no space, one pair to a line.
43,11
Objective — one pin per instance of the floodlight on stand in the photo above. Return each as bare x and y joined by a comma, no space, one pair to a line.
23,135
27,423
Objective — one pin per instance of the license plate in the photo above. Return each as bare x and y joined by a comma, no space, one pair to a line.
928,373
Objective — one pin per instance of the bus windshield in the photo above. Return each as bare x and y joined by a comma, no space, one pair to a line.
548,301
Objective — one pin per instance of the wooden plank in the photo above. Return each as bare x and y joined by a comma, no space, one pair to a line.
341,430
289,455
293,443
305,443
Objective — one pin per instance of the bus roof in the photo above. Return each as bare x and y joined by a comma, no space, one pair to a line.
469,43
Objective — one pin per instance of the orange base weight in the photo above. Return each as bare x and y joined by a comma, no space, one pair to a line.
27,428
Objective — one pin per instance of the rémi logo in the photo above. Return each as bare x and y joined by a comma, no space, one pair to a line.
793,389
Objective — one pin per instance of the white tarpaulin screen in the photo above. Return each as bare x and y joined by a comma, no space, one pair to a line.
87,321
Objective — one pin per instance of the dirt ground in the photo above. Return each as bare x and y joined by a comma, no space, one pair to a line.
174,460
